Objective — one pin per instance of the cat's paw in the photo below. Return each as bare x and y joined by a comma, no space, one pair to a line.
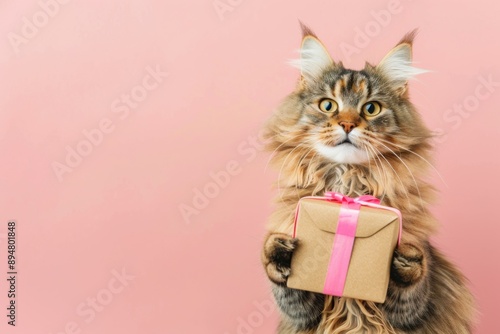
408,265
277,256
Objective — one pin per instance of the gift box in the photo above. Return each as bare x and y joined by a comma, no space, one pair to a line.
345,246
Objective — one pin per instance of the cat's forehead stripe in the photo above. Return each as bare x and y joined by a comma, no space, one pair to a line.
337,86
359,87
352,86
361,83
350,82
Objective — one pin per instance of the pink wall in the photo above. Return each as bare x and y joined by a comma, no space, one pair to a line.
84,71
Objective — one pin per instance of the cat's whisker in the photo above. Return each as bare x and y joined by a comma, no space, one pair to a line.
374,155
419,156
403,187
363,146
379,167
406,166
370,156
311,164
381,170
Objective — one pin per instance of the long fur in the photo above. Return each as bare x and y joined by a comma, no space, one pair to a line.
427,294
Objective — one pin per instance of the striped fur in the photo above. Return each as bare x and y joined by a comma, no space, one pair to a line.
427,294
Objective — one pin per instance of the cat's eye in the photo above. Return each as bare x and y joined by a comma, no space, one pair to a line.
328,105
371,108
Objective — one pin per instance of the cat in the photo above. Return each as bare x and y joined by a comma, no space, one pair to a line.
356,132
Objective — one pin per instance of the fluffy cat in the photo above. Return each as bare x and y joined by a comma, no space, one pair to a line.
356,132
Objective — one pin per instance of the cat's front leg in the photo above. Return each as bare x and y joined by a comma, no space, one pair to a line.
408,298
302,309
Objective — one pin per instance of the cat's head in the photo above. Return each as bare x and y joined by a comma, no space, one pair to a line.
349,116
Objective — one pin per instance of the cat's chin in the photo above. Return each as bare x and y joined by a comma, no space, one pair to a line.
344,153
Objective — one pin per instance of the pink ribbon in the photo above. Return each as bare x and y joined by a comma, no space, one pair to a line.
345,234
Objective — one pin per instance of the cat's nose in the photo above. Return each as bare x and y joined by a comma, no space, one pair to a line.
347,126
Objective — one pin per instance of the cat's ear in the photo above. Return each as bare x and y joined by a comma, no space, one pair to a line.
314,58
397,64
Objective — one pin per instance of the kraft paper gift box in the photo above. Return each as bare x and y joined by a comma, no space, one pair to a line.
345,246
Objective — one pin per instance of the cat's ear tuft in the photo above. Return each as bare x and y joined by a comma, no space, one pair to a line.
314,58
306,31
409,37
397,64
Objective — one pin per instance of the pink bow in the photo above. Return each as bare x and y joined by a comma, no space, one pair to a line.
341,198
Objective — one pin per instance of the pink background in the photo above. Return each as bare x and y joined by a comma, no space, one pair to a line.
120,207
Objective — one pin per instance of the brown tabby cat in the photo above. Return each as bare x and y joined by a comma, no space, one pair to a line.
356,132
